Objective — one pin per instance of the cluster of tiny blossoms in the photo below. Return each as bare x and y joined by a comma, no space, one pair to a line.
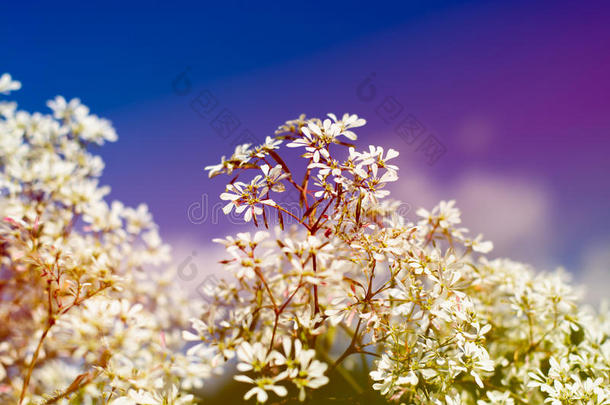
81,322
350,289
419,302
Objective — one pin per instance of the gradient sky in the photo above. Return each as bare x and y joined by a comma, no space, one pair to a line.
517,92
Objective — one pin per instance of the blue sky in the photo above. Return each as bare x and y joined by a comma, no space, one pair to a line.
517,92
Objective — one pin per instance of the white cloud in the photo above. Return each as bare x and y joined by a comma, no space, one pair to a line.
475,134
195,263
511,211
595,273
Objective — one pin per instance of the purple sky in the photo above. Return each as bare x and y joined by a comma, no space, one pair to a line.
517,92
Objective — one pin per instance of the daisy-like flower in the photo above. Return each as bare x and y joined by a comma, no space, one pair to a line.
262,385
497,398
302,369
67,110
374,159
340,309
241,156
242,153
92,128
313,141
385,380
327,189
263,150
137,219
235,192
347,122
331,166
242,240
273,177
560,393
310,373
292,125
445,214
402,300
139,397
246,198
371,188
142,397
215,170
329,131
253,357
479,245
476,359
7,84
289,357
316,137
202,332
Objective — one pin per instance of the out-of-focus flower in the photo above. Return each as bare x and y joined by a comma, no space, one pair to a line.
7,84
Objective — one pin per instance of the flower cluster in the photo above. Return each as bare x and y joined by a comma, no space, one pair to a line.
351,292
81,321
439,322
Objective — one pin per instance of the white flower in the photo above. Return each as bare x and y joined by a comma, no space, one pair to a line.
201,328
246,198
311,373
497,398
262,385
476,359
312,141
303,370
253,357
273,177
444,214
480,246
67,110
241,156
215,170
263,150
331,166
384,374
348,121
7,84
137,219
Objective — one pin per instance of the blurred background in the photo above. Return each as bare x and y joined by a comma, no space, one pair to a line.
503,106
